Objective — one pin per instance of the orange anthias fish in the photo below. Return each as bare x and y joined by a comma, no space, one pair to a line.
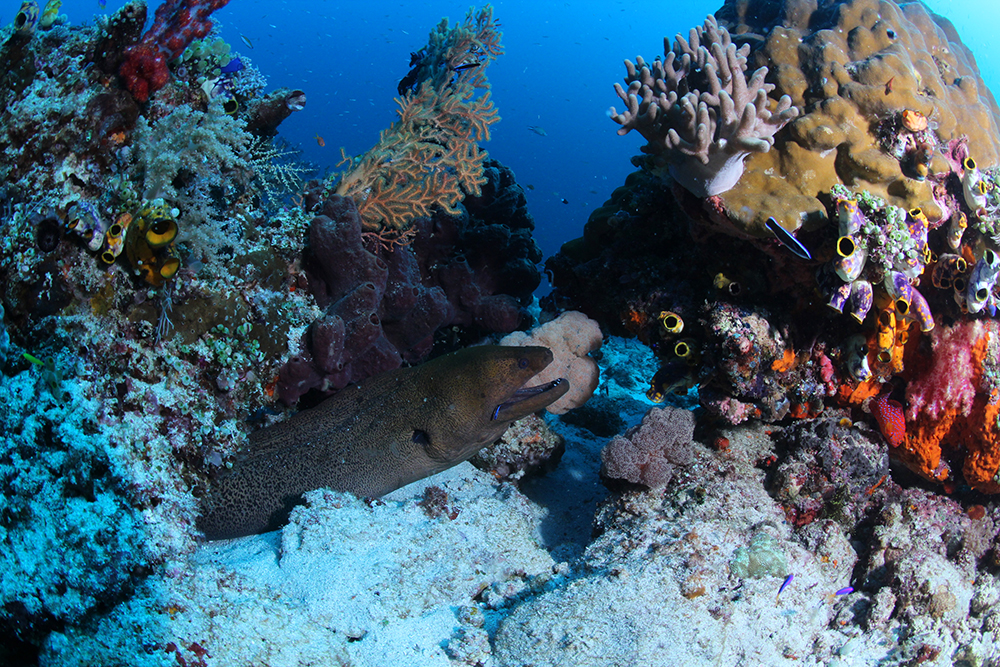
891,422
319,140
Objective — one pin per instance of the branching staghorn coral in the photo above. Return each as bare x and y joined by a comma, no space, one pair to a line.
430,157
698,111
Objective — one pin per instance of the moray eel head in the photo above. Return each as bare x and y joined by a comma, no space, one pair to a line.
486,388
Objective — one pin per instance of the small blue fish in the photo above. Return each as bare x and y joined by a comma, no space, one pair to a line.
845,591
233,66
787,580
102,3
246,41
539,130
787,240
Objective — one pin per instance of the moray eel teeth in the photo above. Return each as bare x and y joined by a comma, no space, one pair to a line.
378,435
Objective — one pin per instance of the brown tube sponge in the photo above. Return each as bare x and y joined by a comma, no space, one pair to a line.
571,337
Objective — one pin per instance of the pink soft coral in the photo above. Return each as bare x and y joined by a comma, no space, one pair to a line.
949,381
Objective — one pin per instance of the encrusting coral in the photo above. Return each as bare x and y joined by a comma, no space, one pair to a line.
697,110
158,272
572,337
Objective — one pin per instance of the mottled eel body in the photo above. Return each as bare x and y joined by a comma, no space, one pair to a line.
381,434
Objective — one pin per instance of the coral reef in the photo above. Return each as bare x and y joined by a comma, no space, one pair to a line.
893,262
572,336
166,275
73,538
855,71
162,266
834,471
714,549
471,272
176,24
698,112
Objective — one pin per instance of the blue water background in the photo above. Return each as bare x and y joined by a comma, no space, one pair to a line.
557,73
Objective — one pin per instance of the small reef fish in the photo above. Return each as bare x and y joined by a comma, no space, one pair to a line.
102,3
50,14
233,66
246,41
319,140
466,66
787,240
539,130
889,415
785,583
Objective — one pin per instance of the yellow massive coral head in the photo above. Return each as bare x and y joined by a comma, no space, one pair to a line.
848,71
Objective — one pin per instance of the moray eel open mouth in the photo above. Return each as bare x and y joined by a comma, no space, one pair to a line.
521,402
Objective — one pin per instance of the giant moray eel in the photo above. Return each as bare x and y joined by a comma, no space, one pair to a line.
381,434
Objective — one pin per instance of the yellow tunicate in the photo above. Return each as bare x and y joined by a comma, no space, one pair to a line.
671,321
